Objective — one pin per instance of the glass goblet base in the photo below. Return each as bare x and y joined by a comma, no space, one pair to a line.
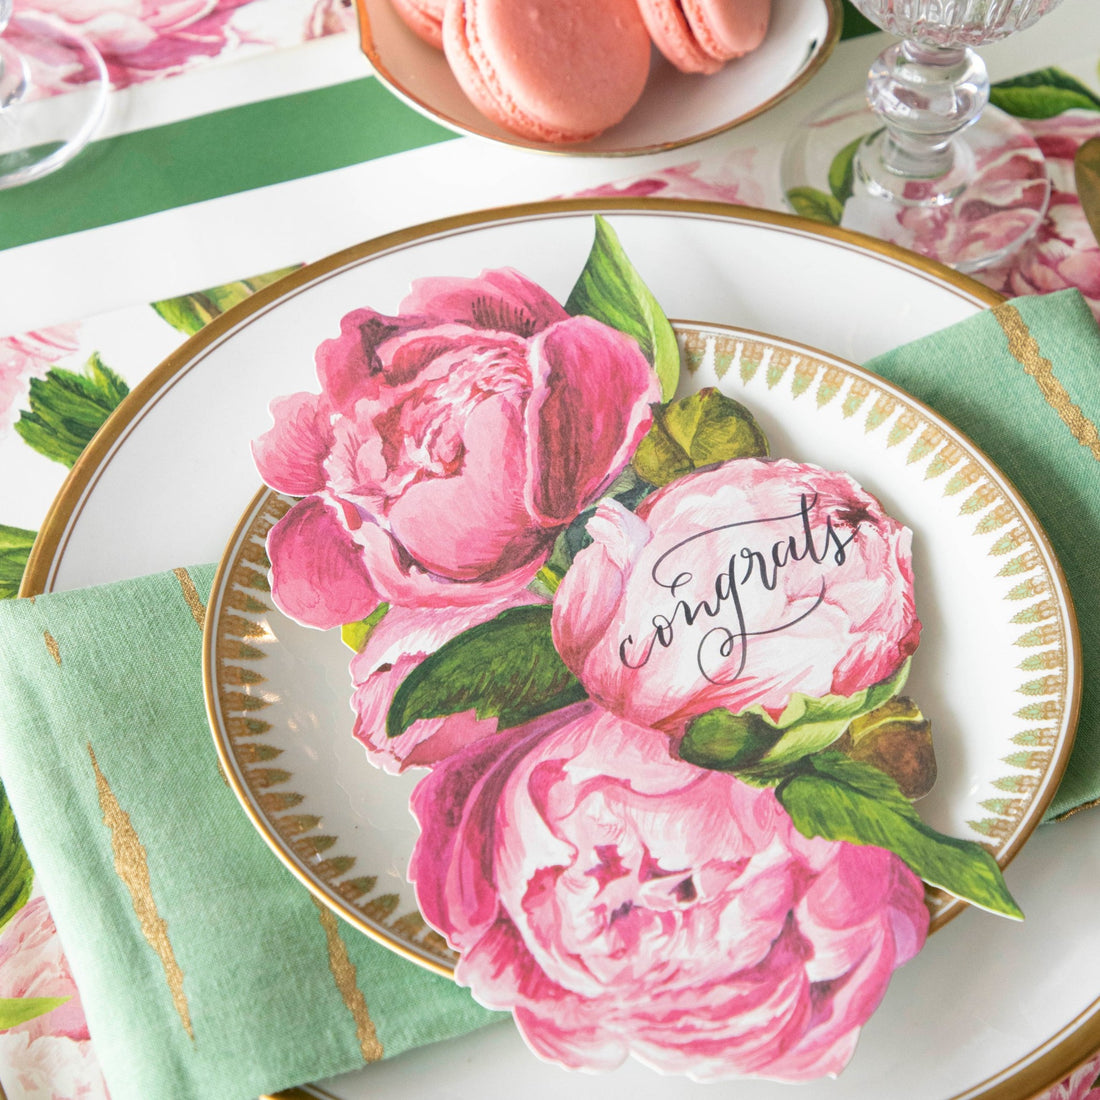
39,133
991,201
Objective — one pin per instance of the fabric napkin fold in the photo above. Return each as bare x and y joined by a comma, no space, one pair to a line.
205,968
1023,382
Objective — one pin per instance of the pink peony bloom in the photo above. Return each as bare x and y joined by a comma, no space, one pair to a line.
50,1068
1079,1085
28,356
139,39
620,901
737,586
400,642
735,180
448,447
1063,253
32,964
1005,202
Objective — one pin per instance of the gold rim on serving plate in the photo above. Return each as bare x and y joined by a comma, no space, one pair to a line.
818,55
1025,1079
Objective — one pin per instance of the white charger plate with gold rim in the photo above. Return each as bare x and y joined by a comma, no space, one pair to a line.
675,108
991,1008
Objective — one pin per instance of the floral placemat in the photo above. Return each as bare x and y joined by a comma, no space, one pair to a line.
143,40
58,385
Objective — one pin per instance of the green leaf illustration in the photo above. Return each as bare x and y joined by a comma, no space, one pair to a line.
15,548
611,290
758,748
16,873
815,204
18,1010
698,430
67,409
1042,94
507,668
192,312
832,796
842,172
628,489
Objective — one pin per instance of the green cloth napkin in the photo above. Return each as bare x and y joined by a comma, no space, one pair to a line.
205,968
1023,381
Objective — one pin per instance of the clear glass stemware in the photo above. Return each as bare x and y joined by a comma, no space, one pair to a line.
43,128
920,158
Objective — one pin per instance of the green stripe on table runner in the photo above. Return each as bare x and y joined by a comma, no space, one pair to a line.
227,152
217,154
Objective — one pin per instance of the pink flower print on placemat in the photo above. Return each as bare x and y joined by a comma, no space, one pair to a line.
1082,1084
28,356
49,1056
1063,253
142,40
736,179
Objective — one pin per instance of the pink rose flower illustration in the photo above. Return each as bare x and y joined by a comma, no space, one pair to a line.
1063,253
1079,1085
400,642
448,447
140,39
50,1068
738,586
1005,201
735,180
620,901
50,1056
32,964
30,355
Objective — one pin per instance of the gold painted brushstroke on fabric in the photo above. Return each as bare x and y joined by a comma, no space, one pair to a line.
1025,350
132,867
52,646
191,595
343,971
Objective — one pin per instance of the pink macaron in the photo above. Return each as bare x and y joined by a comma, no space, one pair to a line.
700,36
668,27
424,18
728,28
549,70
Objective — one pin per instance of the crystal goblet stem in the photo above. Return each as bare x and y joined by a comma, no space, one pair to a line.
921,159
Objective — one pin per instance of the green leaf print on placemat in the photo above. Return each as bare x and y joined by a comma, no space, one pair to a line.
15,548
68,408
1042,94
191,312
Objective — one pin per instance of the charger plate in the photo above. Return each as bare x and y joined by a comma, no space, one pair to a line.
991,1008
997,671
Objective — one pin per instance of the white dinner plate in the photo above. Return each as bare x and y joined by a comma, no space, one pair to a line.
278,693
991,1008
675,108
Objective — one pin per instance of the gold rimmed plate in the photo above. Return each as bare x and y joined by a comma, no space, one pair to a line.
998,629
952,1025
675,109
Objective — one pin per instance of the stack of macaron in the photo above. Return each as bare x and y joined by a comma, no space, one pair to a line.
563,71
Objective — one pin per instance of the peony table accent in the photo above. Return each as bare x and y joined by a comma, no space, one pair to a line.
629,646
